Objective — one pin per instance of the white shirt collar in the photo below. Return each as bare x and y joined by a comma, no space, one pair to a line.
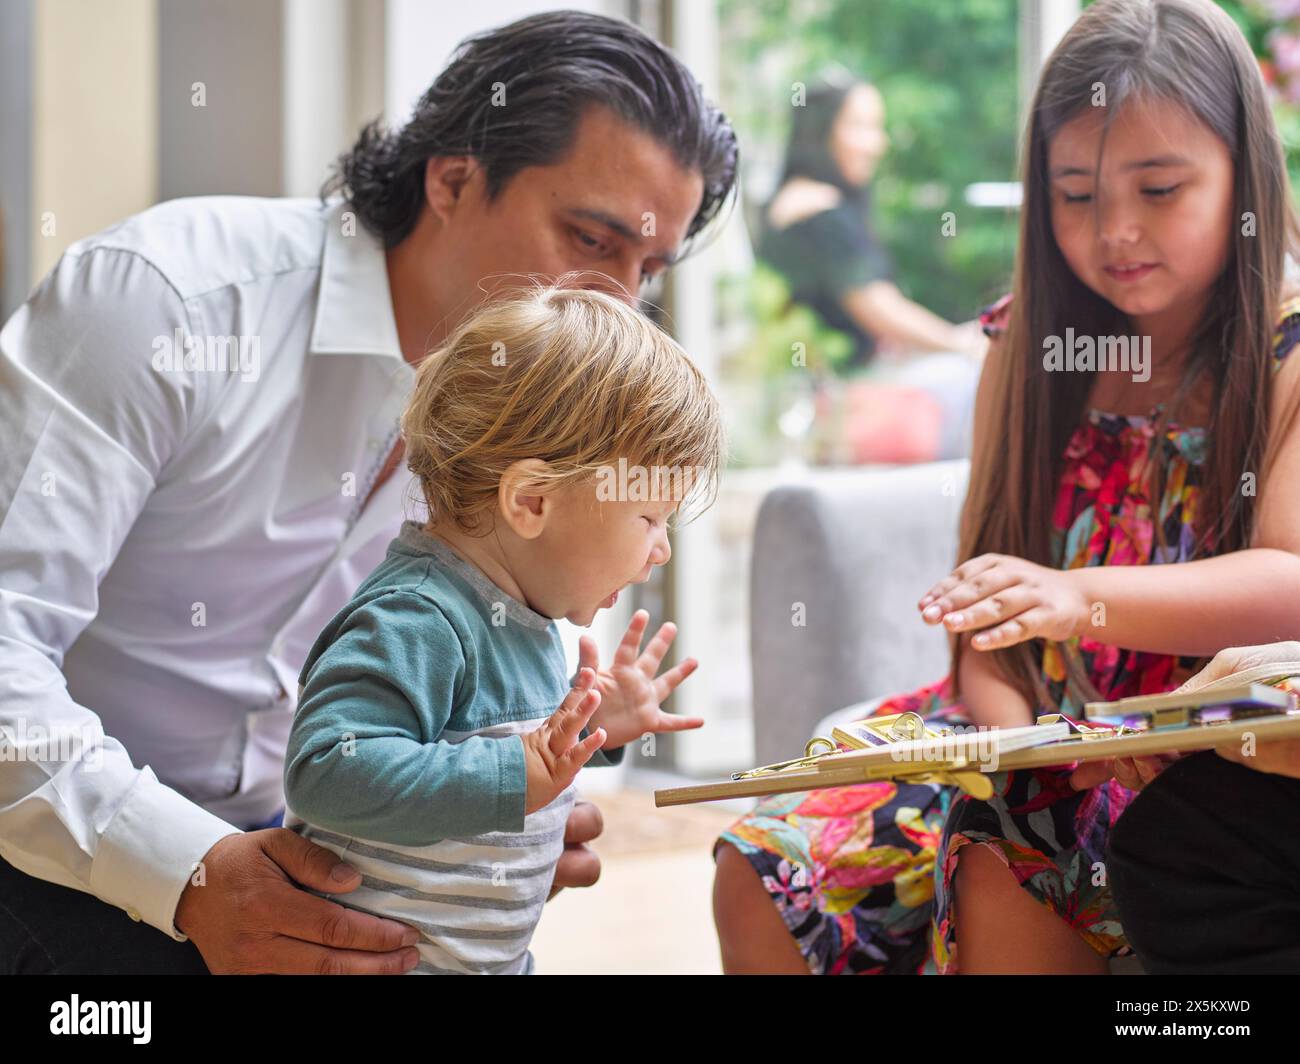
354,313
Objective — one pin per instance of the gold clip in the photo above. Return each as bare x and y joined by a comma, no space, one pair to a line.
956,774
808,759
908,726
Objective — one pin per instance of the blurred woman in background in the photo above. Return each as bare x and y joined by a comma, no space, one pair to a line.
816,232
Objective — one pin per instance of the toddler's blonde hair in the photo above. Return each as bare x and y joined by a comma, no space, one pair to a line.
571,376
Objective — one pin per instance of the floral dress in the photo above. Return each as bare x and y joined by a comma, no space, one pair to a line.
863,875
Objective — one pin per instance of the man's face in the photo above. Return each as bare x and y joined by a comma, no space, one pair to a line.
618,205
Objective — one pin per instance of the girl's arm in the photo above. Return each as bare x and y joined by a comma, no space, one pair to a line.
1244,598
1193,608
988,698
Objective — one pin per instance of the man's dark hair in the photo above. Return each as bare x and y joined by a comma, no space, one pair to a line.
553,66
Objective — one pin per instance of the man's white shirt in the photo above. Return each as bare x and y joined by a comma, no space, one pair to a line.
193,406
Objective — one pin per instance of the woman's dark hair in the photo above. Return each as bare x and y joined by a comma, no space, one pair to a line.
552,66
1189,52
808,150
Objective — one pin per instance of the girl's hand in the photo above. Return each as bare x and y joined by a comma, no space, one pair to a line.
1003,600
630,691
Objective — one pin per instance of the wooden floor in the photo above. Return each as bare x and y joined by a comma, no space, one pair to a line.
651,912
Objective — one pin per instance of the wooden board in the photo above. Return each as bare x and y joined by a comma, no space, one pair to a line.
844,769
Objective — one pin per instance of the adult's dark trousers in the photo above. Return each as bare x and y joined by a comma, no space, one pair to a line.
1205,870
49,929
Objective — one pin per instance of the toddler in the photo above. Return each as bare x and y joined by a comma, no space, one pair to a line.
437,737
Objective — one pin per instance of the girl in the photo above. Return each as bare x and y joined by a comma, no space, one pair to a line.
1156,209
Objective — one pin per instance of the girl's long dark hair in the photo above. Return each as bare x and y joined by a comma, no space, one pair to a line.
1189,52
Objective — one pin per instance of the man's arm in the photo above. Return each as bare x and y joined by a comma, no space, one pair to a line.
89,426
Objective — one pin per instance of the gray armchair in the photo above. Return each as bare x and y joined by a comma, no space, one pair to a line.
848,553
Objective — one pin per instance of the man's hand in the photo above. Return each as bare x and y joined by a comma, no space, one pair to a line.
251,917
1281,757
579,866
1232,660
630,692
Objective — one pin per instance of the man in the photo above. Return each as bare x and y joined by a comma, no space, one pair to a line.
1204,863
204,400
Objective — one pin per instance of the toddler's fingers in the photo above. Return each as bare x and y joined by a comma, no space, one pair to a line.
586,678
629,647
566,724
1126,774
583,681
669,722
665,684
580,753
657,648
588,653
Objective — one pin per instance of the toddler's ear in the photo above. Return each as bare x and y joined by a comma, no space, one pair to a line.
521,500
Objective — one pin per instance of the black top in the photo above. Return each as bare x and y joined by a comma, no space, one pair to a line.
822,258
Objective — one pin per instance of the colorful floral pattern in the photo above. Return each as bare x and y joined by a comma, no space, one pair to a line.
854,871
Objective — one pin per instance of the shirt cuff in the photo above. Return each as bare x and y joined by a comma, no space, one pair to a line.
150,849
603,758
512,784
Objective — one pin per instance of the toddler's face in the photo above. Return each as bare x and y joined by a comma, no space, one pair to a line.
1152,232
590,550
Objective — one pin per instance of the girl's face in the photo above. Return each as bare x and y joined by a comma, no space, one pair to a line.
1150,233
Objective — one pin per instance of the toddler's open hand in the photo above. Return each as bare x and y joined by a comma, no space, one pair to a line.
630,691
553,753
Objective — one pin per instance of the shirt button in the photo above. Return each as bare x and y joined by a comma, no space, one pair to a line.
133,915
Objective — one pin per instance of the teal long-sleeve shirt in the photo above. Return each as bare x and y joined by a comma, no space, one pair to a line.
413,700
